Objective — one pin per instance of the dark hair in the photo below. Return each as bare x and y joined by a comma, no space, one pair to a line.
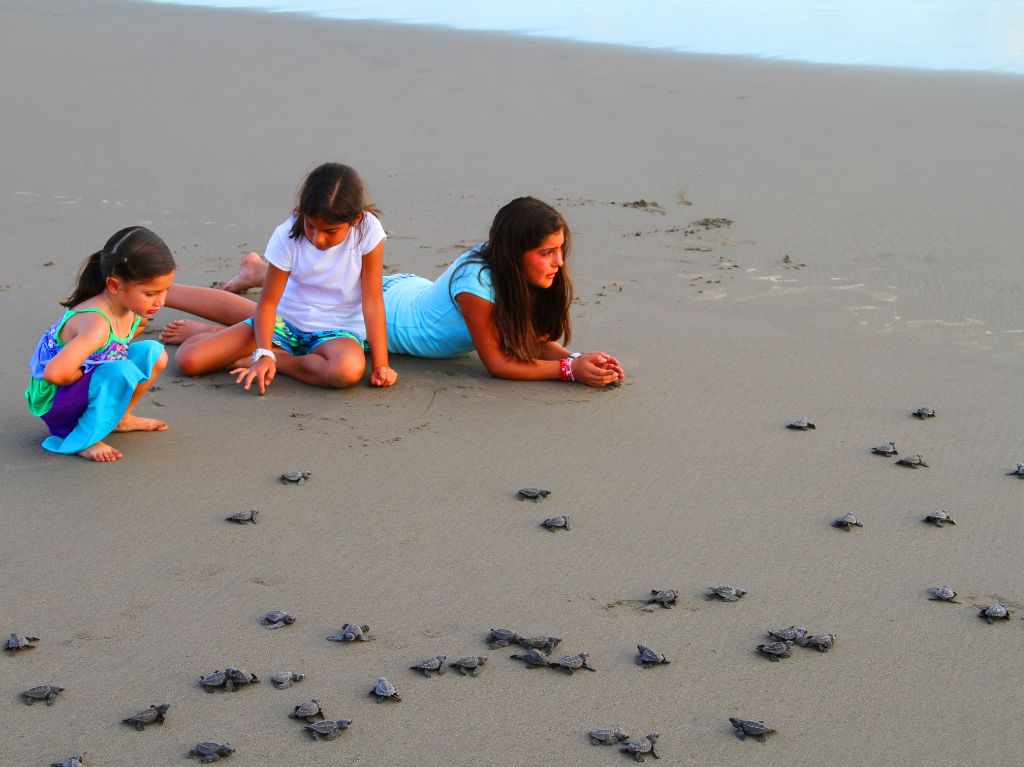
333,192
525,315
133,254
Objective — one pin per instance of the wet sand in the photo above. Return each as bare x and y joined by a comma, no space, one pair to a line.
836,243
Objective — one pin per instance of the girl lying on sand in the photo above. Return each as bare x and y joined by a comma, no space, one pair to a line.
508,299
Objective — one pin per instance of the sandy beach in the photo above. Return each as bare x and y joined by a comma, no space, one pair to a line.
838,243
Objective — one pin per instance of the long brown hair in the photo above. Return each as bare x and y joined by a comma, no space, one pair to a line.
333,192
133,254
526,316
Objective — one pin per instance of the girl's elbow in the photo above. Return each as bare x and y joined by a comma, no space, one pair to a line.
59,377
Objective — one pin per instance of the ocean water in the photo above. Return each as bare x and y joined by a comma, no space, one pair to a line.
975,35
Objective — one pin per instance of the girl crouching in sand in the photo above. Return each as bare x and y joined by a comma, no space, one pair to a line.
508,299
86,375
321,299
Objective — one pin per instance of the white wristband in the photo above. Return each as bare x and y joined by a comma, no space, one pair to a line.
262,353
575,355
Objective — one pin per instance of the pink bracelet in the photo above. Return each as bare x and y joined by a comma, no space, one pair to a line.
566,365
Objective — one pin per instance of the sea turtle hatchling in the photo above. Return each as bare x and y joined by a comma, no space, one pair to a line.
725,593
664,597
210,751
547,644
788,634
641,747
214,681
308,710
800,424
554,523
571,663
275,619
775,651
470,665
942,594
329,729
429,666
820,642
648,657
889,448
913,461
846,522
924,412
384,690
284,679
753,728
296,477
533,658
238,678
501,638
352,632
140,719
1018,472
18,642
534,494
939,518
47,692
246,515
78,760
609,737
989,613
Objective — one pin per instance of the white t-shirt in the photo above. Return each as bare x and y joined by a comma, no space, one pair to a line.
323,290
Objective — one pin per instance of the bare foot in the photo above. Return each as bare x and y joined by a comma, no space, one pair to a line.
250,274
101,452
137,423
179,331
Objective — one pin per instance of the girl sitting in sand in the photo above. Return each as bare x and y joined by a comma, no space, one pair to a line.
508,299
86,376
321,301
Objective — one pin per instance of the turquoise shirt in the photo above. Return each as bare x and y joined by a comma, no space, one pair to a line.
423,317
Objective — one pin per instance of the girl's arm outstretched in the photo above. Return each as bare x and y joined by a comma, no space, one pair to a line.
371,282
264,369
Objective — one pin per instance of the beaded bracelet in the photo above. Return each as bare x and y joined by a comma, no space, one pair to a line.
566,365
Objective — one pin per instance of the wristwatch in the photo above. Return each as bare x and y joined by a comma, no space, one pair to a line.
262,353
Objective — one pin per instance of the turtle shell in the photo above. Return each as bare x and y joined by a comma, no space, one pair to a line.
307,710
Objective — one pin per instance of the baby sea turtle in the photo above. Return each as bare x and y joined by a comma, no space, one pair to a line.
532,658
990,613
820,642
284,679
470,664
939,518
924,412
210,751
547,644
308,710
238,678
1019,472
571,663
788,634
213,681
942,594
775,651
725,593
648,657
18,642
553,523
278,618
328,729
428,665
664,597
534,494
140,719
47,692
889,448
913,461
298,477
846,522
501,638
241,517
352,632
78,760
640,747
607,737
384,690
800,424
753,728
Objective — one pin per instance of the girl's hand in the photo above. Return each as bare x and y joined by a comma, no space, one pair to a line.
262,372
597,369
383,376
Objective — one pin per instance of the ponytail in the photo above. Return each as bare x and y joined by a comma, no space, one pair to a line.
133,254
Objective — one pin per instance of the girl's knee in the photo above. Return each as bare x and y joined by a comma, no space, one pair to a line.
160,364
188,363
345,374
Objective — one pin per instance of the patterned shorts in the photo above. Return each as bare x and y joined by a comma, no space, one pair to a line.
298,342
